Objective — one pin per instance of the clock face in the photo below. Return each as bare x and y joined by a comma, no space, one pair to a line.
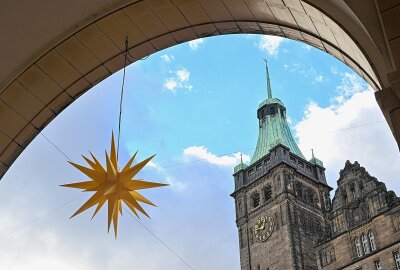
263,228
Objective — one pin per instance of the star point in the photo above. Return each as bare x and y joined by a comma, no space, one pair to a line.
113,186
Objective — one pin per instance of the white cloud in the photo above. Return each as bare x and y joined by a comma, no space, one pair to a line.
171,84
194,44
270,44
350,84
174,184
307,71
167,57
179,80
319,78
328,131
183,75
202,153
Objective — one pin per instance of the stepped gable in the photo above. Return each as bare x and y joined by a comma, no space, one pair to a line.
361,195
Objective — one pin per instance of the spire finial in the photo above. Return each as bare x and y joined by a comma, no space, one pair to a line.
312,152
268,81
241,160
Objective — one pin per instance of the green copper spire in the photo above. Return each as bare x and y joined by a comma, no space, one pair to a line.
268,81
273,126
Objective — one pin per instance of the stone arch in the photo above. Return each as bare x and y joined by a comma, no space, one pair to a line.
49,70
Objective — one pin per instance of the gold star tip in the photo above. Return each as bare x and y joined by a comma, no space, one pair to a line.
113,186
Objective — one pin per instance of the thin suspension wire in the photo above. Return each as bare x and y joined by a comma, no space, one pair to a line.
362,125
158,238
249,149
36,219
172,165
122,94
53,144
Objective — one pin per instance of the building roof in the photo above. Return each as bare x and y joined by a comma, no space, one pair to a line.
273,129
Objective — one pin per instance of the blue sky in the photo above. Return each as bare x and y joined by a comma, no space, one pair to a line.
194,101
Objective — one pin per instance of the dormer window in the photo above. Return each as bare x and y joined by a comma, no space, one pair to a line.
258,167
272,110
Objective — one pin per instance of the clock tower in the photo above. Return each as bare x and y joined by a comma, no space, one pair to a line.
281,199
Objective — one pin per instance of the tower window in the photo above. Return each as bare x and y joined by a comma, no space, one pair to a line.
310,197
267,161
301,164
344,197
299,190
251,172
272,110
258,167
255,199
267,193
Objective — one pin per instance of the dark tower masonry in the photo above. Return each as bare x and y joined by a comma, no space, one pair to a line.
286,219
281,198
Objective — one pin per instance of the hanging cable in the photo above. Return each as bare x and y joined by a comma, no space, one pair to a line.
122,94
23,226
158,238
53,144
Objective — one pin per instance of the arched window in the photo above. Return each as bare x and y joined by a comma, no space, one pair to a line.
358,247
299,190
267,193
353,192
372,240
310,197
365,243
272,110
256,199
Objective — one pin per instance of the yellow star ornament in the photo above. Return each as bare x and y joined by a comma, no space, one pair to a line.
113,185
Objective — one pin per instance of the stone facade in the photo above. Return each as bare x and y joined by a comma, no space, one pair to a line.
360,229
294,193
364,224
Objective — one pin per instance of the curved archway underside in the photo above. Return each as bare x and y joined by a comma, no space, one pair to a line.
34,93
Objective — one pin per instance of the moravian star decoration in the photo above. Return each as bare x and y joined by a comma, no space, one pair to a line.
113,186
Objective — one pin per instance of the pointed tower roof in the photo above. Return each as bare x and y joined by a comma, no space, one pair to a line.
273,126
